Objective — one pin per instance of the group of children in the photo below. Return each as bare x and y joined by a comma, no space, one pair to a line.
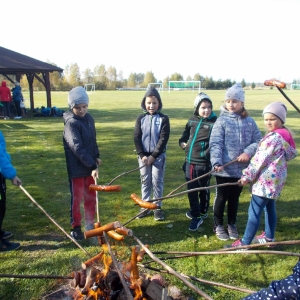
230,145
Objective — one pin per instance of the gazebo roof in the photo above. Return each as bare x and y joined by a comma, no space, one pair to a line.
12,62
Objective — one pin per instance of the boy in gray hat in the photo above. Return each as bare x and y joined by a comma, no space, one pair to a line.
82,157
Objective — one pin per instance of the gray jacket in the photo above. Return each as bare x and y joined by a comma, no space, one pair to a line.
231,136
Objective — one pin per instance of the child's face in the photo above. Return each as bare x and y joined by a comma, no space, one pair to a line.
151,104
233,105
272,122
80,109
204,109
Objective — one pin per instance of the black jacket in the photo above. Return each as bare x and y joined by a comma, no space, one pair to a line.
196,134
80,144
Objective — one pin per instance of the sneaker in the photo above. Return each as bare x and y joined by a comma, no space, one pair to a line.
8,246
221,233
262,239
195,224
158,214
232,232
77,234
6,235
237,243
189,215
204,216
143,213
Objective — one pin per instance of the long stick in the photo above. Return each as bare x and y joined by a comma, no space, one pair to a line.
126,289
36,276
171,271
204,175
97,203
125,173
202,280
288,99
52,220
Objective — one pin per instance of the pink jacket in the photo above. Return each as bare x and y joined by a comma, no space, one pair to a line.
5,95
267,170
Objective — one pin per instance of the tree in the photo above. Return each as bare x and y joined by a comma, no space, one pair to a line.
88,76
149,78
176,77
100,77
111,75
74,75
253,85
131,81
198,77
243,83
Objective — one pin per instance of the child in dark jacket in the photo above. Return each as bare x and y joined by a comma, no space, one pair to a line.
195,142
151,134
82,157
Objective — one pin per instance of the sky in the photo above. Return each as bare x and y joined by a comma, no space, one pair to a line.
253,40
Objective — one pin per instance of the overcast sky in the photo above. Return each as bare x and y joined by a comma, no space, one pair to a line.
234,39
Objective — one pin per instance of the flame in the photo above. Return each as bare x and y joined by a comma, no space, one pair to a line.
136,286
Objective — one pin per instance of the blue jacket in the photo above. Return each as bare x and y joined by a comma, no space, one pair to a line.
6,168
231,136
17,94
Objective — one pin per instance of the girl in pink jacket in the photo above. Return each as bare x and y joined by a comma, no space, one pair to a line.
267,174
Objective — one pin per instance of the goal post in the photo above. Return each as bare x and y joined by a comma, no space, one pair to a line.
89,87
184,85
295,86
157,85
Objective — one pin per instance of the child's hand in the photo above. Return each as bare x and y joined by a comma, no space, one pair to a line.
151,160
145,160
243,181
16,181
218,168
183,145
95,174
243,157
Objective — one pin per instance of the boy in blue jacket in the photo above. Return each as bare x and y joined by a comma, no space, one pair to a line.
7,171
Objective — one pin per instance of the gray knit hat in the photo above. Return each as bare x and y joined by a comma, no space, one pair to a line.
200,98
77,95
278,109
236,92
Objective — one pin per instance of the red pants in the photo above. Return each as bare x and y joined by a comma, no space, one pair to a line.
79,188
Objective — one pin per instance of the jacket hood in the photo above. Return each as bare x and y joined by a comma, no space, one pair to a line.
149,93
3,83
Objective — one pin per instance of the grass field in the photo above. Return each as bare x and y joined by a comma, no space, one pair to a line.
35,145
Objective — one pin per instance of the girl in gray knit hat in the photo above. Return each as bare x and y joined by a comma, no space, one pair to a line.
82,157
235,135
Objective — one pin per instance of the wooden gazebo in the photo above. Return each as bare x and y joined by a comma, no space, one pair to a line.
14,63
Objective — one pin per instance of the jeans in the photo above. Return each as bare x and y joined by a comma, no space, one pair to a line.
2,202
256,207
152,178
199,200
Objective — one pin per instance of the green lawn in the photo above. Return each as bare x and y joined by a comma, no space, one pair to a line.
35,145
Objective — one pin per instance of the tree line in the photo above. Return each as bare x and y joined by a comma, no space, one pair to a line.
107,78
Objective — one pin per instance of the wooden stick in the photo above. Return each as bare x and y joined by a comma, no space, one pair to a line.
204,175
173,272
52,220
97,202
125,173
36,276
126,288
203,280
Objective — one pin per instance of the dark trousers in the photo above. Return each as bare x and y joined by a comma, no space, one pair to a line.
229,194
199,200
6,108
18,108
2,202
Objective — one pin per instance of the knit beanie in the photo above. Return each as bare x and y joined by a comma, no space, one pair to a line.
236,92
278,109
17,83
200,98
77,95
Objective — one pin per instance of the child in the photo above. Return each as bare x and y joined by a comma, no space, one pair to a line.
5,98
7,171
267,173
195,141
235,135
151,134
17,97
82,157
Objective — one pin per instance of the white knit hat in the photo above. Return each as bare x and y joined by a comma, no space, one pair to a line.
236,92
278,109
78,95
